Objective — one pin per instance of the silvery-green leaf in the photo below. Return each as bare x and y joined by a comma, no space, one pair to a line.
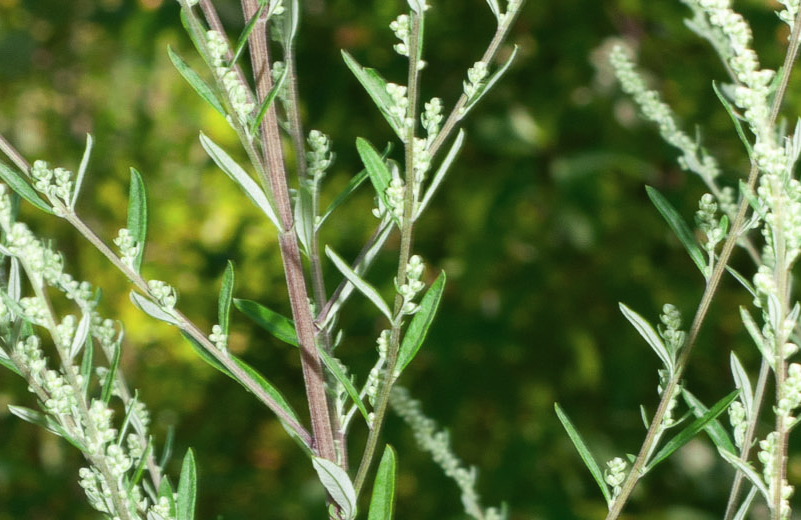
742,383
376,87
6,361
679,227
365,288
44,421
111,376
753,200
304,219
276,324
488,84
81,333
226,294
239,176
376,168
738,126
268,101
200,86
354,183
743,281
137,215
82,170
187,488
152,309
338,484
584,452
20,185
14,280
456,147
495,8
166,491
756,334
86,365
746,505
749,472
714,429
334,367
649,334
243,37
382,502
418,6
418,328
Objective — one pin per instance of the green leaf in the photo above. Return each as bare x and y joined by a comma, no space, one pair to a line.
151,309
6,361
18,183
338,484
418,328
748,471
691,430
714,429
489,83
343,378
86,365
679,227
111,376
746,505
276,324
743,281
44,421
376,87
165,491
241,178
382,502
82,170
167,451
364,287
734,118
194,80
304,218
81,333
187,488
496,10
376,168
268,100
584,452
226,293
756,334
456,147
649,334
354,183
743,384
137,215
243,37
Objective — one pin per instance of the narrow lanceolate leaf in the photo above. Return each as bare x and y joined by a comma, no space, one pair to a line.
268,100
734,118
743,281
226,294
304,219
691,430
338,484
742,383
87,153
151,309
44,421
418,328
714,429
364,287
489,83
584,452
649,334
23,189
376,88
243,37
111,377
165,491
354,183
187,488
456,147
86,365
6,361
276,324
137,215
81,333
748,471
200,86
746,505
382,502
496,10
239,176
679,227
756,335
343,378
376,168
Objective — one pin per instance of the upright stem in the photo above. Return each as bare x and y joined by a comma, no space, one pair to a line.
706,299
288,243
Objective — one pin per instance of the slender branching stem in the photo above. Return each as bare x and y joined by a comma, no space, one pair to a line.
706,299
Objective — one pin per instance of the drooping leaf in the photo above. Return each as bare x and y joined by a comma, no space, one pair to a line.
276,324
44,421
151,309
714,429
489,83
241,178
584,452
382,503
649,334
87,153
418,328
200,86
749,472
691,430
343,378
456,147
20,185
137,216
365,288
226,294
376,88
679,227
187,488
338,484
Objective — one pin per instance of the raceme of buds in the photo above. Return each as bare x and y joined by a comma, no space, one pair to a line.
475,78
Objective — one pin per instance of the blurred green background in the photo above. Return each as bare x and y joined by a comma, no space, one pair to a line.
543,227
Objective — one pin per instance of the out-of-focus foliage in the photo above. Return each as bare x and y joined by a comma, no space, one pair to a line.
543,227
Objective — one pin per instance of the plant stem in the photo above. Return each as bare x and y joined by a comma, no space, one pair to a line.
287,239
706,299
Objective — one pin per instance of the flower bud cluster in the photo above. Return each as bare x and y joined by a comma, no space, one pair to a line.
789,13
400,26
738,421
319,155
664,377
511,8
56,183
219,339
767,456
431,118
615,474
475,79
413,285
707,222
400,104
129,247
375,377
238,94
791,392
163,293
